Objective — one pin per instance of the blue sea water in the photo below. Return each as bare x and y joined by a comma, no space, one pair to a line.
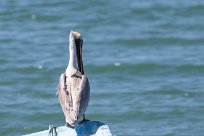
144,61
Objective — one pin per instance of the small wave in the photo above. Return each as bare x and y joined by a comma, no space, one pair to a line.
146,68
163,41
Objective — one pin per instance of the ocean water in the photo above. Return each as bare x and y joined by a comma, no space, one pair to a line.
144,61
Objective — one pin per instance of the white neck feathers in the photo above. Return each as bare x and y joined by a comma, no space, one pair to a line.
72,66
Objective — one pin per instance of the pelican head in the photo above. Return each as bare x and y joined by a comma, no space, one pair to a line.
75,51
79,44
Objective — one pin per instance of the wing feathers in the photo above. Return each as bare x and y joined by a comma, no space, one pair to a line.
74,94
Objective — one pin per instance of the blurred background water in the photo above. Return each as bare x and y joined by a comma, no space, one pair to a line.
144,60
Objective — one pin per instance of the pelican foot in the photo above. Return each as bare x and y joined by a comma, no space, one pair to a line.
69,126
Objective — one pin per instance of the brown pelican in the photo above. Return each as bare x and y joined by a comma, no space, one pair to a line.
73,88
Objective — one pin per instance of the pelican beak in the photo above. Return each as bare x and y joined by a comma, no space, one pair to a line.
79,44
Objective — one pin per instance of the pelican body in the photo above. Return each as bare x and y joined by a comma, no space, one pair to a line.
73,87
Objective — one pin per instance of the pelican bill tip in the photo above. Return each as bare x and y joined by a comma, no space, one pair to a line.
77,35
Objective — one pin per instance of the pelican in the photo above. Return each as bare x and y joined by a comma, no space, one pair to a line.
73,87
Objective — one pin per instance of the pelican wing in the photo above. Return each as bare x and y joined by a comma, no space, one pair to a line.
81,97
63,94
